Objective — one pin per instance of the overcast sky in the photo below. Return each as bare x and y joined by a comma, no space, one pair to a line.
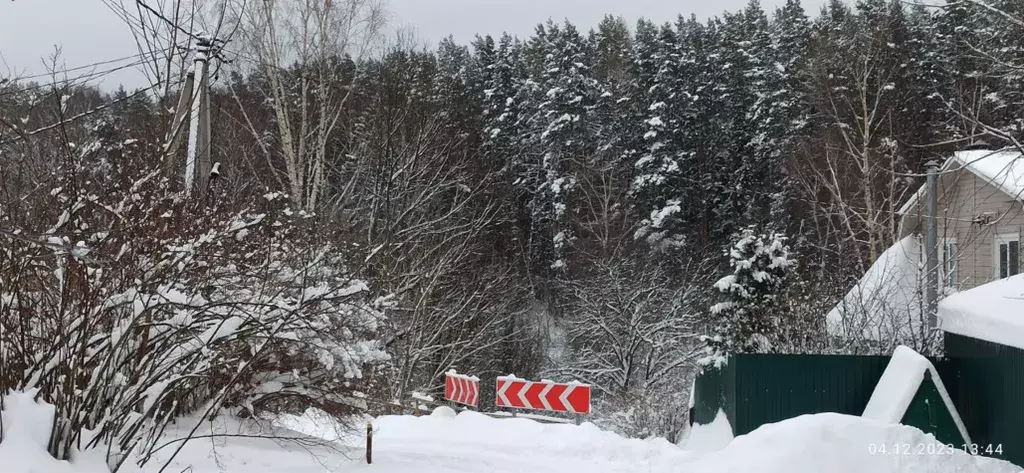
87,32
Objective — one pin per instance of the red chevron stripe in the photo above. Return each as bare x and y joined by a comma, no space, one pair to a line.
560,397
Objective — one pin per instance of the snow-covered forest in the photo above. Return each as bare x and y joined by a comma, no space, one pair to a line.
612,203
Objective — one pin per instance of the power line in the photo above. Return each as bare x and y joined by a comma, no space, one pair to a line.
78,68
25,135
77,79
164,18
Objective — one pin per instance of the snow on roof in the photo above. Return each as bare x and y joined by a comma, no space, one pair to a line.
993,312
1002,169
900,382
886,303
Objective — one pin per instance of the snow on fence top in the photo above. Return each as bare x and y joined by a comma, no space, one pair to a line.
992,312
899,383
896,388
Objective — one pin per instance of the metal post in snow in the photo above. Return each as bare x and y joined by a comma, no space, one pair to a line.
932,245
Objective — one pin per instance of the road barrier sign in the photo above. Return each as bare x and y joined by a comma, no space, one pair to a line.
519,393
462,389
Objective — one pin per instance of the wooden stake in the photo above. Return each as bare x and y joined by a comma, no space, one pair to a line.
369,443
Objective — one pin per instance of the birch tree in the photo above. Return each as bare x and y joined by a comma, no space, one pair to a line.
312,39
852,173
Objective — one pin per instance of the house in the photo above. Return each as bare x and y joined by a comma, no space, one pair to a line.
980,217
980,221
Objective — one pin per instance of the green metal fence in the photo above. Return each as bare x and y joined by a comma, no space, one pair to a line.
989,394
753,390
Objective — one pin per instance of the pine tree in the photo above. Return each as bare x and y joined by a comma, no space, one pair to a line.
748,320
453,94
659,179
502,78
562,126
781,115
1008,50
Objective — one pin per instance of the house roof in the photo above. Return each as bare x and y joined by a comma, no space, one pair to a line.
1003,169
886,302
992,312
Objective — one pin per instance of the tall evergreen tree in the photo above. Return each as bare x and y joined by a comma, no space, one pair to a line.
781,115
748,320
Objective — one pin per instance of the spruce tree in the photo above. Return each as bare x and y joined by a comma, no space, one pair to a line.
748,319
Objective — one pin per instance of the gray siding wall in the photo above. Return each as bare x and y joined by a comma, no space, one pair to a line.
963,197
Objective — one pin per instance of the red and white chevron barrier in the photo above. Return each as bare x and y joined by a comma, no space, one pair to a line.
462,389
543,395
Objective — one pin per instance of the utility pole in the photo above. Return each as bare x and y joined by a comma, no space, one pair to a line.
932,245
199,126
194,107
178,126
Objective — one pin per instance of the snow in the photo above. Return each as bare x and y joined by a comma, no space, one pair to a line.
837,443
834,443
886,303
1002,169
899,383
896,388
993,312
711,437
454,374
470,442
536,417
26,427
229,445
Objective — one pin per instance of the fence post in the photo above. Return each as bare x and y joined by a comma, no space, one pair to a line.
369,443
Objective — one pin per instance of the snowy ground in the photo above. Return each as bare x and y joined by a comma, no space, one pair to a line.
474,443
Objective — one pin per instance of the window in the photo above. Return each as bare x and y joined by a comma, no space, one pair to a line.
950,263
1007,248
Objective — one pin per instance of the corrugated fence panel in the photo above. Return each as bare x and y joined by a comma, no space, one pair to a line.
989,394
715,390
984,380
772,388
730,392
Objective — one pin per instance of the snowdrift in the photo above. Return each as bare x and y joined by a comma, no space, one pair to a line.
837,443
474,443
26,429
470,442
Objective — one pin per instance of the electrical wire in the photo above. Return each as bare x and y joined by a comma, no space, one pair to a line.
164,18
79,79
25,135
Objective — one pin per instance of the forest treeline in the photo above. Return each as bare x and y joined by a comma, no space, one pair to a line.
610,203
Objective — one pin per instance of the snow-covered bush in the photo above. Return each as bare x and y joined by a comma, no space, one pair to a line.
747,320
662,411
630,333
136,307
